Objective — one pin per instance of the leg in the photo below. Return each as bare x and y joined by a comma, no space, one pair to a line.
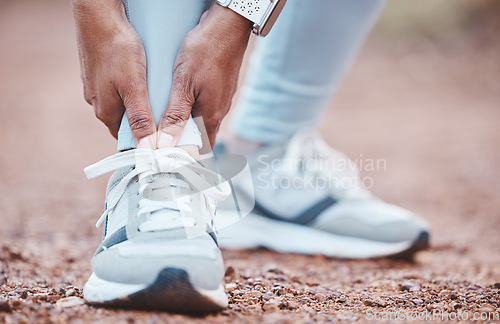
308,197
296,69
158,251
162,30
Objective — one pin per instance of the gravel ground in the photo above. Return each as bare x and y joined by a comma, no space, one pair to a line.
429,109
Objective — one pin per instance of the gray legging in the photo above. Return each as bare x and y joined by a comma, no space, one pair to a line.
293,71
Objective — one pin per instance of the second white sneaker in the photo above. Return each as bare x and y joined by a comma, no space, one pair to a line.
309,199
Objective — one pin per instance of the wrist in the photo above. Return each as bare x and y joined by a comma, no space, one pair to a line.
229,20
99,18
96,4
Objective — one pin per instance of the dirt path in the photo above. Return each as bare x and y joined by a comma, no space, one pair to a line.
432,112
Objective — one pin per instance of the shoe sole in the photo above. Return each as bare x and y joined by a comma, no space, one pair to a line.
256,231
171,292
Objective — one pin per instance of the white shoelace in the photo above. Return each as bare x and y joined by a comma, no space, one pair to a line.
148,165
310,156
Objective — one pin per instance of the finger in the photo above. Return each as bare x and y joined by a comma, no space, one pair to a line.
109,109
211,123
176,115
212,134
212,105
140,116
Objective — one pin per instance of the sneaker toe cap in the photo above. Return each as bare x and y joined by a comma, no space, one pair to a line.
373,220
141,263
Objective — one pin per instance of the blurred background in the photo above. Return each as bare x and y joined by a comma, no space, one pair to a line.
423,94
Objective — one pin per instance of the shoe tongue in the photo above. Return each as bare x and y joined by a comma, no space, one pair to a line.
177,153
170,153
161,188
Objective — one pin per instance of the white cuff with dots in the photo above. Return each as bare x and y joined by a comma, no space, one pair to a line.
263,13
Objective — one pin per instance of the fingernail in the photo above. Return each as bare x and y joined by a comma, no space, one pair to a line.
165,140
148,142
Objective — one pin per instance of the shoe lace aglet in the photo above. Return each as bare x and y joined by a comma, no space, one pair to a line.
102,218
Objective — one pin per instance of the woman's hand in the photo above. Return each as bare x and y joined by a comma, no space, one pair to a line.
113,65
205,73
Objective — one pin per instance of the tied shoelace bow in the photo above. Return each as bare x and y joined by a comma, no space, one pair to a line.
309,156
147,165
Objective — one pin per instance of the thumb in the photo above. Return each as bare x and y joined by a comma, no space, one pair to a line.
175,116
139,114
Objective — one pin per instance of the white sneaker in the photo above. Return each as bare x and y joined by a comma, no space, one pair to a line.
158,251
308,199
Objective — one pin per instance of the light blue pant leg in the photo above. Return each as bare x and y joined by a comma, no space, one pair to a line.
162,25
295,70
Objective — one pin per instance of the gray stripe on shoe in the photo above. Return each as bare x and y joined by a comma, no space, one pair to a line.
117,237
121,236
305,218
